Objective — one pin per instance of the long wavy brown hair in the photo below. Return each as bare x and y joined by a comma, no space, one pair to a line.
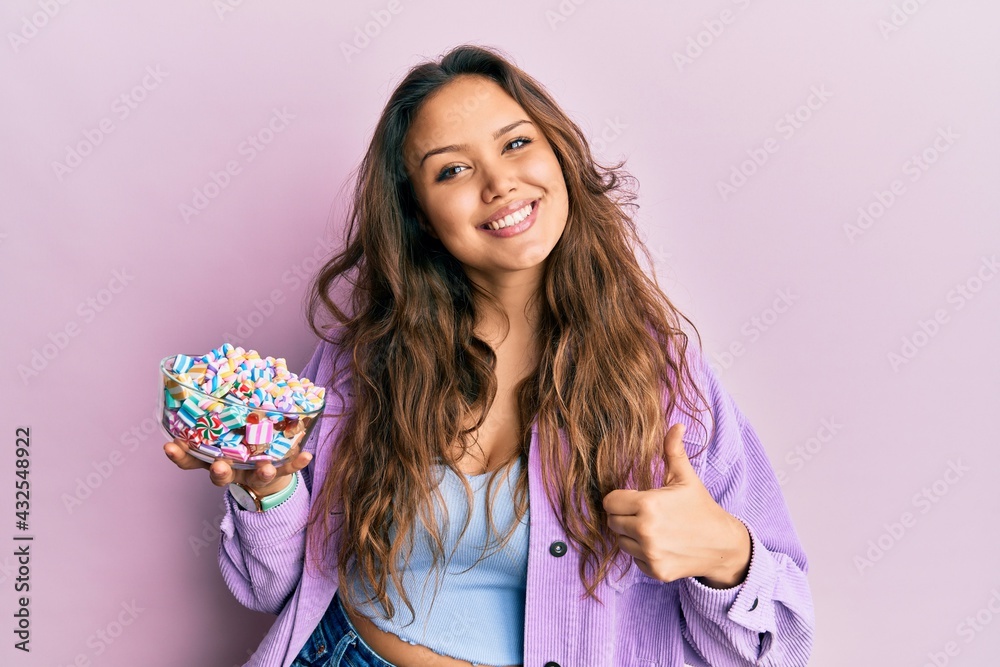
610,347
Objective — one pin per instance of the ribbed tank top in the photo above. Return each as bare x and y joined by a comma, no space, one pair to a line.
478,612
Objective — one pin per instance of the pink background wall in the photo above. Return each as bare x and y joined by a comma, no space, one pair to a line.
801,304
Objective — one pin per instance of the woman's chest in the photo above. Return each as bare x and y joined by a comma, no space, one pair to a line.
498,437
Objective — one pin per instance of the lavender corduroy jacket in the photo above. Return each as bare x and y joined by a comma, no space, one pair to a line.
766,620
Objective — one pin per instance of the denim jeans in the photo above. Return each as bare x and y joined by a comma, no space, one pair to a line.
335,643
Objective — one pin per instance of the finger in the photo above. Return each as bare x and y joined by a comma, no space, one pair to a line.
295,461
221,472
177,451
644,567
621,501
302,460
623,525
631,547
264,473
675,458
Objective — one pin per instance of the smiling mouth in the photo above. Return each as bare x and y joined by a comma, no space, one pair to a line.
511,219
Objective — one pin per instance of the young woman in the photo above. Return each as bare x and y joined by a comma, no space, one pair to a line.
502,476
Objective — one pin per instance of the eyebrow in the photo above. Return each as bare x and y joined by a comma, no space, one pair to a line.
457,147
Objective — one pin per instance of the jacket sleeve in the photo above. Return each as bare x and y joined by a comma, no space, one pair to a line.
768,619
261,553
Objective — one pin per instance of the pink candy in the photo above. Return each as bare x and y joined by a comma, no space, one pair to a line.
260,434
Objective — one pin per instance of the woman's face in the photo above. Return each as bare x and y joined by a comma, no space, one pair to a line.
472,153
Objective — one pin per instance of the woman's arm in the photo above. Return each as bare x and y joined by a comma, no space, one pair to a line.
768,619
261,553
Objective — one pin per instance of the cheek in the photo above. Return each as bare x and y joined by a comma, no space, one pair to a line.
449,214
548,173
550,176
456,208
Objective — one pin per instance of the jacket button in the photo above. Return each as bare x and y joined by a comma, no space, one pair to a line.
754,605
557,549
551,664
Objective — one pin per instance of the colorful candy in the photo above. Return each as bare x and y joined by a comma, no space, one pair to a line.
233,416
279,447
237,404
182,364
209,427
235,452
175,388
211,450
260,433
169,401
190,410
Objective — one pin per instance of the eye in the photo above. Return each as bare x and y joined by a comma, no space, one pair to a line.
526,141
446,173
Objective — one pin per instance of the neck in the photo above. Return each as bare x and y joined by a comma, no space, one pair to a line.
523,325
513,293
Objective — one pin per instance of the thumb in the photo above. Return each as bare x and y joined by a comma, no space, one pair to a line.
677,466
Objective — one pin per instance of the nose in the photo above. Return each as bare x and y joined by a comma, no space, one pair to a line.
499,180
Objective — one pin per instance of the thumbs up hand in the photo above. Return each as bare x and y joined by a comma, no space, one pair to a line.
679,530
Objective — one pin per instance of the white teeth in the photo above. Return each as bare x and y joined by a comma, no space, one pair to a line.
512,219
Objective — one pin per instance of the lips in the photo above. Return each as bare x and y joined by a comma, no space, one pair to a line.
513,207
518,225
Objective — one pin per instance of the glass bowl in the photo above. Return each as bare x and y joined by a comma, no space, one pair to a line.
223,426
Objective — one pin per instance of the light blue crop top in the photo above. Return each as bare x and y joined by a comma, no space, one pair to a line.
478,612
